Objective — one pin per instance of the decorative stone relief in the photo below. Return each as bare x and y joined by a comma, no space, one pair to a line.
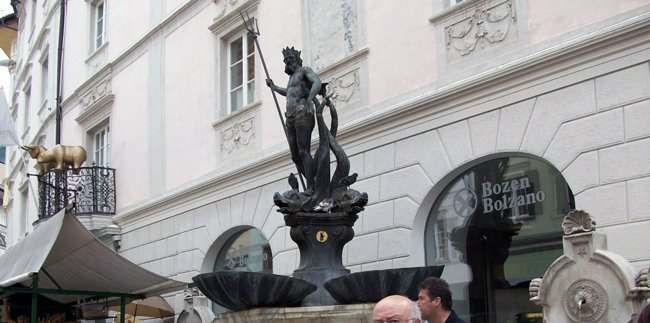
97,92
585,301
578,221
489,24
226,6
345,87
342,37
533,290
642,278
238,135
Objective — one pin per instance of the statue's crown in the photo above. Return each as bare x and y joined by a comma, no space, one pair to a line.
291,52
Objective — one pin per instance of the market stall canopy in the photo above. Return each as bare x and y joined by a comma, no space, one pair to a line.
66,256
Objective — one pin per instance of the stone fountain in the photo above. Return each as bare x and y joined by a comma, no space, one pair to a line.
589,283
321,217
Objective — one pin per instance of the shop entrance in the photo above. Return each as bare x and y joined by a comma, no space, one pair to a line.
495,227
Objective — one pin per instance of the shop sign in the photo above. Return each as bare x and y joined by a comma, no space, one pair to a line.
509,194
246,257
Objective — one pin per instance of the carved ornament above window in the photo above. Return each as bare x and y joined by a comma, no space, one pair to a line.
486,25
345,87
238,135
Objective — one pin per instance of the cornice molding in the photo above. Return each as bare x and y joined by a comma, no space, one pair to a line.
237,114
232,18
350,60
96,112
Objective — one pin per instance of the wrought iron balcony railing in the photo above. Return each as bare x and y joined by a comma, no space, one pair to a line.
91,189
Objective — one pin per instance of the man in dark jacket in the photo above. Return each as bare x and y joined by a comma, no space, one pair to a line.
434,301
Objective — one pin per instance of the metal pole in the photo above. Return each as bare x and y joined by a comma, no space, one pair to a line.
122,309
59,74
33,317
254,31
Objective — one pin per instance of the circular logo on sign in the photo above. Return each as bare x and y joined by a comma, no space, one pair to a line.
465,202
321,236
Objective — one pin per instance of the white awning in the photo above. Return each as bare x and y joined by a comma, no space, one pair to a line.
62,251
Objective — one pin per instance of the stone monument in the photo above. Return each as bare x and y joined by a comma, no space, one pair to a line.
589,283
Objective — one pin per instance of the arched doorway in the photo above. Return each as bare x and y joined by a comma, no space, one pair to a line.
495,226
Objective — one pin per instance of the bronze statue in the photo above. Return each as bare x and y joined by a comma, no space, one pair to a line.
325,192
57,157
302,88
322,215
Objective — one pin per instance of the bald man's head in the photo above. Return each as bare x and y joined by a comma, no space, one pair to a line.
395,307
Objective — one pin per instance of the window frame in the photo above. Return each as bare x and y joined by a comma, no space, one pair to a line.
104,150
226,27
246,40
24,212
95,33
442,238
27,98
45,76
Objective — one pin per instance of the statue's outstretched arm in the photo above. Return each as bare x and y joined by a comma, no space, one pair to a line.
280,90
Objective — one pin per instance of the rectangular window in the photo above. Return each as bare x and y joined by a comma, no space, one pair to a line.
98,24
28,98
101,146
241,72
32,18
442,240
44,80
522,195
22,229
3,215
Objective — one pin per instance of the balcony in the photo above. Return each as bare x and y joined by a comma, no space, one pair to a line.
91,189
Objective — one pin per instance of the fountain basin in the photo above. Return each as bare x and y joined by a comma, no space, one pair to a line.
372,286
239,290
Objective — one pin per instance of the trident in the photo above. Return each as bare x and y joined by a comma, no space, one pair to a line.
253,29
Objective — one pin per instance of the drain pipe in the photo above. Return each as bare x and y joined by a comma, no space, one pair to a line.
59,73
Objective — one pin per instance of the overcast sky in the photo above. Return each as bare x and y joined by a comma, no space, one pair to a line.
5,8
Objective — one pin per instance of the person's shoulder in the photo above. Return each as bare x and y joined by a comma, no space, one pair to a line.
453,318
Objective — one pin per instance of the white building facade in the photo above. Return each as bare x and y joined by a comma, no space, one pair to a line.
473,127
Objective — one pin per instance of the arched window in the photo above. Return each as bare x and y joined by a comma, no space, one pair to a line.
246,250
494,227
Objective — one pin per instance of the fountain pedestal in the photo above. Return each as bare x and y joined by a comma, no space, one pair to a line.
320,238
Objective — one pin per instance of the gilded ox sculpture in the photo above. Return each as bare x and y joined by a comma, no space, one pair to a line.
56,157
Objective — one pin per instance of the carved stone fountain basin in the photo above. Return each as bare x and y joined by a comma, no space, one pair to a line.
238,290
372,286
